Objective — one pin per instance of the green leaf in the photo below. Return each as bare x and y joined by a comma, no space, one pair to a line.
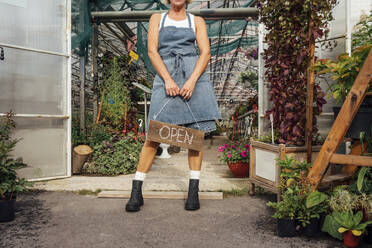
357,218
361,175
331,227
315,198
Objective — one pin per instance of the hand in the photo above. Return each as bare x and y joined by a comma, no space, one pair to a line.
187,89
171,88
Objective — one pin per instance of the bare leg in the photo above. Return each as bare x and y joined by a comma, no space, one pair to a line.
195,159
147,156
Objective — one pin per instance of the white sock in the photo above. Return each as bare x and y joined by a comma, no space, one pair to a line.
140,176
194,174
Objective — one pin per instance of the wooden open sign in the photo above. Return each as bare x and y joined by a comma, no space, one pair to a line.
175,135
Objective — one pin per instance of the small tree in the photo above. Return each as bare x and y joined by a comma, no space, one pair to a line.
9,181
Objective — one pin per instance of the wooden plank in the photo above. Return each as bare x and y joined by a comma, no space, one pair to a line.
188,138
343,122
266,146
268,187
252,168
351,160
310,95
331,180
298,149
282,153
160,194
264,180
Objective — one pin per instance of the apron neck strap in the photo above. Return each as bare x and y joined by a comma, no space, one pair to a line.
188,18
162,22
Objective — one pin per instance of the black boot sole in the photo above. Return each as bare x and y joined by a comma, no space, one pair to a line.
192,208
133,208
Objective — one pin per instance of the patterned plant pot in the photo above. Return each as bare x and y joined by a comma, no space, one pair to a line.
239,169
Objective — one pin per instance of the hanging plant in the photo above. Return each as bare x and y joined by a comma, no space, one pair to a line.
287,58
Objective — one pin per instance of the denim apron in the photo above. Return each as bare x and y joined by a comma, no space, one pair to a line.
177,49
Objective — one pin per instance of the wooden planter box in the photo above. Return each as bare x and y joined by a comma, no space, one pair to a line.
263,169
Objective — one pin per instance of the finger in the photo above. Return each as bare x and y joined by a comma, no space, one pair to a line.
182,93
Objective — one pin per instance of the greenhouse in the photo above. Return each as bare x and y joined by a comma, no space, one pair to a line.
94,99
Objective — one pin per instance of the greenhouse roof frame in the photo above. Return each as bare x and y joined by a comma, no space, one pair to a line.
207,14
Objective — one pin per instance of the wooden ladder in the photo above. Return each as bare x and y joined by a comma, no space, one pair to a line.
339,128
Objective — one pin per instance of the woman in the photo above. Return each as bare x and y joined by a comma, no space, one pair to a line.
182,93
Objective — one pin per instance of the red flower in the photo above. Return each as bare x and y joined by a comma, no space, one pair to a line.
255,108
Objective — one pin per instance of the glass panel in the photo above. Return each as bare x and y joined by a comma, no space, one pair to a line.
36,83
37,24
32,83
42,147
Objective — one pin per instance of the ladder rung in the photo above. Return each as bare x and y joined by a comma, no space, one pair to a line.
332,179
351,160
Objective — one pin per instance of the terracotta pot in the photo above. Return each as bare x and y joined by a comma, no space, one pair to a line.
239,169
350,240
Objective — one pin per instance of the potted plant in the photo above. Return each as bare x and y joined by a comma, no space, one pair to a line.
236,155
287,59
285,212
10,183
351,226
316,205
300,207
346,203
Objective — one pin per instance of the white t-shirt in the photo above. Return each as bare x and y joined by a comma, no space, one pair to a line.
182,23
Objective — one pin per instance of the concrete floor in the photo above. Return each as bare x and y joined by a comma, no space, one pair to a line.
65,219
166,175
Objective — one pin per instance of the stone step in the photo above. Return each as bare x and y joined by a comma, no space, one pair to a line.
155,183
160,194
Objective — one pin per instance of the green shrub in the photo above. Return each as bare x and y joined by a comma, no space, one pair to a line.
118,155
97,134
10,183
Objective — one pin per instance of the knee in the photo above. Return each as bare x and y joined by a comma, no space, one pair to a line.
194,152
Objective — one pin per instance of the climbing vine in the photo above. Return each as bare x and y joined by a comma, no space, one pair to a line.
286,61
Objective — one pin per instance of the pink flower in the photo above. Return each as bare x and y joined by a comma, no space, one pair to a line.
229,155
233,146
221,148
243,154
226,145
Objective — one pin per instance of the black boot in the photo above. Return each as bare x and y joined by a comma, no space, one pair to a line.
136,199
192,202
